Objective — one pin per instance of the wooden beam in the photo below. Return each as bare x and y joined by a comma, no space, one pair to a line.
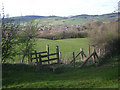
60,56
99,52
87,59
74,59
36,56
81,49
78,54
47,49
40,60
39,52
49,60
88,50
57,51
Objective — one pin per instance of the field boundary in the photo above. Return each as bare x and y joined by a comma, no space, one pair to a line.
38,56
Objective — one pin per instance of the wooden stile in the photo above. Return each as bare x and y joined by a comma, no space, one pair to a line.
47,49
57,51
81,49
74,59
60,56
99,52
87,59
36,56
88,50
93,54
40,60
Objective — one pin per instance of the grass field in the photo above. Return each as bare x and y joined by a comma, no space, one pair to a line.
73,20
30,76
23,76
66,46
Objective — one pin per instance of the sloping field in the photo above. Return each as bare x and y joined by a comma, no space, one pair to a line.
66,46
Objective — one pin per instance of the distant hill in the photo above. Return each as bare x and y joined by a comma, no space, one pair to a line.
86,15
77,19
23,18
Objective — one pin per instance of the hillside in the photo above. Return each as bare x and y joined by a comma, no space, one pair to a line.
77,19
23,18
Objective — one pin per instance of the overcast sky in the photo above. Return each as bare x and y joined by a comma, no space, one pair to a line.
58,7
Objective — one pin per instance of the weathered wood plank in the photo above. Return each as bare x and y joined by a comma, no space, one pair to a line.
52,54
57,51
88,50
50,60
36,56
87,59
47,49
60,56
42,52
74,59
97,58
40,59
78,54
43,56
84,54
39,52
81,49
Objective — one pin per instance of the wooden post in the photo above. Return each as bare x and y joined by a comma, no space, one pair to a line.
81,49
47,49
87,60
88,50
36,56
74,59
57,51
40,60
60,56
99,52
94,54
98,59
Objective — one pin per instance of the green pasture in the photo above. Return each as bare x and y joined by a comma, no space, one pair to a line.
23,76
66,46
52,20
65,76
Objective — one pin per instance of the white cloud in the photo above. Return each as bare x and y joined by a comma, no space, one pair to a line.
58,7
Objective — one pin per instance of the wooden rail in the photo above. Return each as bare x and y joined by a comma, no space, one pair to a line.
38,56
93,55
80,53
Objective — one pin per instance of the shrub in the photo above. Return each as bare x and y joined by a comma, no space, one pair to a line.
64,35
9,39
106,36
27,39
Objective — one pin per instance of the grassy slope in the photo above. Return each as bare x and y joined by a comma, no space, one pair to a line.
52,20
74,20
66,46
105,76
17,76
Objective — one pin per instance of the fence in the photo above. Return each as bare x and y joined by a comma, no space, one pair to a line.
38,56
85,58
